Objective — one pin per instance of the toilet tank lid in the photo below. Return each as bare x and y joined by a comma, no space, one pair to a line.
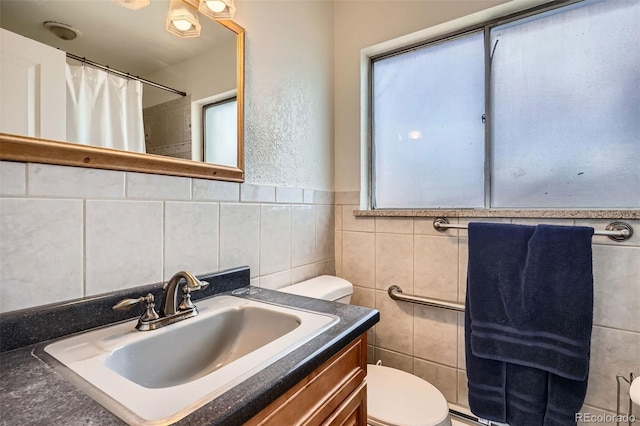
324,287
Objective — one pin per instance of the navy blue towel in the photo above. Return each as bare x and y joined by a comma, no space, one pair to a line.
529,316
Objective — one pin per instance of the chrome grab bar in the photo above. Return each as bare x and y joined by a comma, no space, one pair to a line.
617,231
396,293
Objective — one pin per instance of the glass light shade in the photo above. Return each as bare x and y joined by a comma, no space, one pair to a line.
215,6
209,8
181,24
132,4
182,19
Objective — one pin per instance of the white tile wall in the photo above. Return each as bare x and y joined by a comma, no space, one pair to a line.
87,231
251,193
308,196
123,245
289,195
157,187
13,178
190,237
277,280
430,343
325,225
41,252
275,239
240,236
74,182
214,190
303,235
302,273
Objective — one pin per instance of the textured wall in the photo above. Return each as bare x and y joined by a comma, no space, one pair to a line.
289,93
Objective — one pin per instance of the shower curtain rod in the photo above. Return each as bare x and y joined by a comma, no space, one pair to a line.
124,74
617,231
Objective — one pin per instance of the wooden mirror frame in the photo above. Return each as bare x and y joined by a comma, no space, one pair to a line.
35,150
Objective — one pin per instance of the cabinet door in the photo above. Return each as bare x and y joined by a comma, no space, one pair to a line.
334,393
33,94
353,411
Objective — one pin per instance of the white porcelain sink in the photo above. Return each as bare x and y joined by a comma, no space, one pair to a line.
160,376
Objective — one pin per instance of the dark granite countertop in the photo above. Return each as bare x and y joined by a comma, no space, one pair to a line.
33,393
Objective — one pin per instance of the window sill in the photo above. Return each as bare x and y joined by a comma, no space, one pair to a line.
510,213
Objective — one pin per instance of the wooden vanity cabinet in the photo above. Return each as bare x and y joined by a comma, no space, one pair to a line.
334,394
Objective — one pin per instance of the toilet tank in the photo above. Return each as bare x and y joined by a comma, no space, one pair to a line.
324,287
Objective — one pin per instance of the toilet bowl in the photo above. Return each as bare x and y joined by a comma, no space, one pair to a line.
394,397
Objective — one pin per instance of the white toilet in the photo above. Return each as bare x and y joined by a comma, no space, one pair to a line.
394,397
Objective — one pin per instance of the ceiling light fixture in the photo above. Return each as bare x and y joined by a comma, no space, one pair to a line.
217,9
132,4
182,19
62,31
216,6
214,9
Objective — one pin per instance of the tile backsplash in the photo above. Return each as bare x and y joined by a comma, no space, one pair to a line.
69,232
376,252
93,231
167,128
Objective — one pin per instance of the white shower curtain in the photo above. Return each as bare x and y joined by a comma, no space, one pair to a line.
104,109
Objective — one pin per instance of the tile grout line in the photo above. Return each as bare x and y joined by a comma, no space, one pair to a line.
26,179
84,248
164,244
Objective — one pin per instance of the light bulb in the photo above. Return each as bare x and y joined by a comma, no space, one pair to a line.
181,24
216,6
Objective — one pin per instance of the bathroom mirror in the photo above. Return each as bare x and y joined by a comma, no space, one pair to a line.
135,42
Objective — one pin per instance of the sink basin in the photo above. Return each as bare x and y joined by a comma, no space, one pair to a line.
180,356
161,376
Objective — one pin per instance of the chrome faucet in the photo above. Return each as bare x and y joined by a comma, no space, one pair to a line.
169,314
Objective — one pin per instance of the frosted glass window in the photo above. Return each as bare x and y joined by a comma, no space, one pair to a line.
221,133
428,134
565,96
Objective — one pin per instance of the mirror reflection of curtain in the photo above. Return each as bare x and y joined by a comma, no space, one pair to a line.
104,109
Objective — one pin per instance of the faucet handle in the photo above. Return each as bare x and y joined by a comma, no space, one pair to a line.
150,313
186,299
126,304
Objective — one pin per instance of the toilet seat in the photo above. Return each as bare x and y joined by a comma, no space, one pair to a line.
395,397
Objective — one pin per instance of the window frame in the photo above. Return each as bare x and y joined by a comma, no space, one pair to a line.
481,21
203,110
